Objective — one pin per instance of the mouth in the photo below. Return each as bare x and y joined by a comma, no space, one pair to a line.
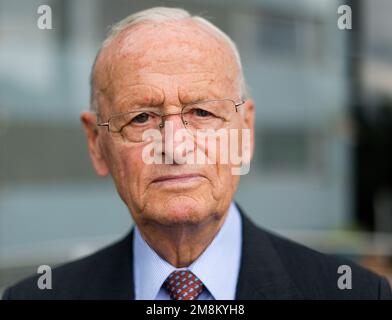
178,179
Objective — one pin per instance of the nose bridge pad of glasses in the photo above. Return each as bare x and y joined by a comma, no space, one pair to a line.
162,123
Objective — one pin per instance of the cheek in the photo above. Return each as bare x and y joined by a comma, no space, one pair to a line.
132,164
127,166
230,154
220,169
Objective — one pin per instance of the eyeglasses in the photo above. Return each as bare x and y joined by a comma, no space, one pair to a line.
204,115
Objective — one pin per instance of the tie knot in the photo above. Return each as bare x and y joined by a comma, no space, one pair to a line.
183,285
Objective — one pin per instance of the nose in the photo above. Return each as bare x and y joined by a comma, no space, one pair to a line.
177,143
174,118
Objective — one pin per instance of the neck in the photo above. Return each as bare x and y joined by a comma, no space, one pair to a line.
181,244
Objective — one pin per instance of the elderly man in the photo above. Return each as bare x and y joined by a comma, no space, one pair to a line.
163,70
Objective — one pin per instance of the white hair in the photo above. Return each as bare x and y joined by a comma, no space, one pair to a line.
161,14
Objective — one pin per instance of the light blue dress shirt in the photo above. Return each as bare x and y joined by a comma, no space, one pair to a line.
217,267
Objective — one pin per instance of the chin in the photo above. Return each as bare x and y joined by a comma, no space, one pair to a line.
178,210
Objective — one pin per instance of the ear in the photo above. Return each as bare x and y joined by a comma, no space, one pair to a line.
249,117
89,124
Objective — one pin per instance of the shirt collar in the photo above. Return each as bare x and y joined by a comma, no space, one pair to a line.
217,267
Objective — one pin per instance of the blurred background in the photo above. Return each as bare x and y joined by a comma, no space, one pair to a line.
322,172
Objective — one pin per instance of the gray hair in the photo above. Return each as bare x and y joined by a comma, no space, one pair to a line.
162,14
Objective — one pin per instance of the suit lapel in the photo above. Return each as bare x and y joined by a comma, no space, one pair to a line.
262,274
113,278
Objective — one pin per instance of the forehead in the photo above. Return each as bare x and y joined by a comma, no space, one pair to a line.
167,43
182,53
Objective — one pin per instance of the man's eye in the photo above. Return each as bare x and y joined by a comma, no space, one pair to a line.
202,113
141,118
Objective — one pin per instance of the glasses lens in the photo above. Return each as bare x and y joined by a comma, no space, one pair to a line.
132,125
206,115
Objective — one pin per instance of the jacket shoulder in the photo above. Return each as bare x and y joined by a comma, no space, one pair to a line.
323,276
74,279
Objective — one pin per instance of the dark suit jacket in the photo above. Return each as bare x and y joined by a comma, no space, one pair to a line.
271,268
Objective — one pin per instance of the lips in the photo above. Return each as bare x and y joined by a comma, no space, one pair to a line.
177,178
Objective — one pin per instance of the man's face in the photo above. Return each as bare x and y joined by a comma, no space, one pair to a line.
166,66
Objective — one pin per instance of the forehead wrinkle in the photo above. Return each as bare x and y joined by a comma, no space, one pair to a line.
196,92
142,93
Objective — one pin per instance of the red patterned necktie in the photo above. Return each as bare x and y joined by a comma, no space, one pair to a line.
183,285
